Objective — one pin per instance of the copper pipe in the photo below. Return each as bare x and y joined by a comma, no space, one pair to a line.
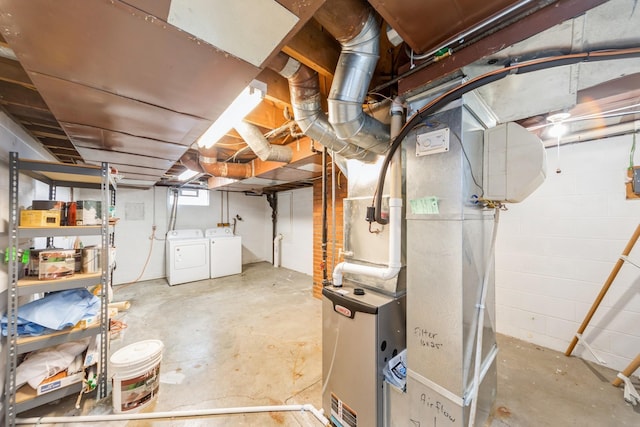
229,170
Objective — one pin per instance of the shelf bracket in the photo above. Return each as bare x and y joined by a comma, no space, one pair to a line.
582,341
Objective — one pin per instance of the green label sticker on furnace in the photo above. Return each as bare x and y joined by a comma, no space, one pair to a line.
425,206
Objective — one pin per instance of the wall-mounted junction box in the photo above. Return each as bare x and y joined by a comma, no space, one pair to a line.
633,183
432,142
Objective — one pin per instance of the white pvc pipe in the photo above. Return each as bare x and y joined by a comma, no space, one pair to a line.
397,110
481,310
318,414
334,238
394,265
590,135
276,250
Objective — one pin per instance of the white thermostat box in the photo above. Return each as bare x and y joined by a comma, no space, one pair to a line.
432,142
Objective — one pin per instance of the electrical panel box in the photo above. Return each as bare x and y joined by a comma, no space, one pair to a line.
515,163
636,181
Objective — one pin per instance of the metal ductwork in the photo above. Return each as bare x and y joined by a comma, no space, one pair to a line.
304,89
265,151
229,170
191,161
206,161
355,26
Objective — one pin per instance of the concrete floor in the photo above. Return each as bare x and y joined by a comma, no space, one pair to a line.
255,339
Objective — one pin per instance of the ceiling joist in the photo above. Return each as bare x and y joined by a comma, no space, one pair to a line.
15,94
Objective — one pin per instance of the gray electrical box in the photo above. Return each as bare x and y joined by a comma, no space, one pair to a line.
636,180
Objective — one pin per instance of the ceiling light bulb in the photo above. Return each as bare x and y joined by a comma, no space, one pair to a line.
558,117
248,99
558,130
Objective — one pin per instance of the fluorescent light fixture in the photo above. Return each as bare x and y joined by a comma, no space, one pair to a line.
188,174
248,99
127,182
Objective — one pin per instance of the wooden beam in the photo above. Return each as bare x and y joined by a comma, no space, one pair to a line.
57,142
66,150
15,94
301,149
66,157
45,132
315,48
231,140
304,10
267,115
12,72
48,125
26,114
277,87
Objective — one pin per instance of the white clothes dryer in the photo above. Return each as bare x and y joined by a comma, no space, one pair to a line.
225,252
187,257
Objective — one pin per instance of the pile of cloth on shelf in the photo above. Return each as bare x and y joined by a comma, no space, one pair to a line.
54,312
45,363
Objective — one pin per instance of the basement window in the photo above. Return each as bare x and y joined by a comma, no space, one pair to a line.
190,197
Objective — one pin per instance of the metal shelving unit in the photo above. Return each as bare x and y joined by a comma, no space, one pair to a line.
55,175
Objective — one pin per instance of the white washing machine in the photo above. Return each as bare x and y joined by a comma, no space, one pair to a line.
187,256
225,252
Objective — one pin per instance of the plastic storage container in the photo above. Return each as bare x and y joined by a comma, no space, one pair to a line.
136,375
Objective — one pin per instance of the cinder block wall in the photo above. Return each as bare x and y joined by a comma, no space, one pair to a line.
556,249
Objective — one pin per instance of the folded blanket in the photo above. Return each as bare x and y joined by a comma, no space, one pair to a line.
56,311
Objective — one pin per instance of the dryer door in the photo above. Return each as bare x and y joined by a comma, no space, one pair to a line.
188,261
226,256
189,255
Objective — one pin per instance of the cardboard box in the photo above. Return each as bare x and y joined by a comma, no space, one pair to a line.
88,322
58,381
34,262
56,263
47,205
88,212
39,218
92,355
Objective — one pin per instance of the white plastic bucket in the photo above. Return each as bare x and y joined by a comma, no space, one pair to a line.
136,375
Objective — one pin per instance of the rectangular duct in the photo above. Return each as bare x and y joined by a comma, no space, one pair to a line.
447,251
247,29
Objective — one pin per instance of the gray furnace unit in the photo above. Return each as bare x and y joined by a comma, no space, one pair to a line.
360,334
434,256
